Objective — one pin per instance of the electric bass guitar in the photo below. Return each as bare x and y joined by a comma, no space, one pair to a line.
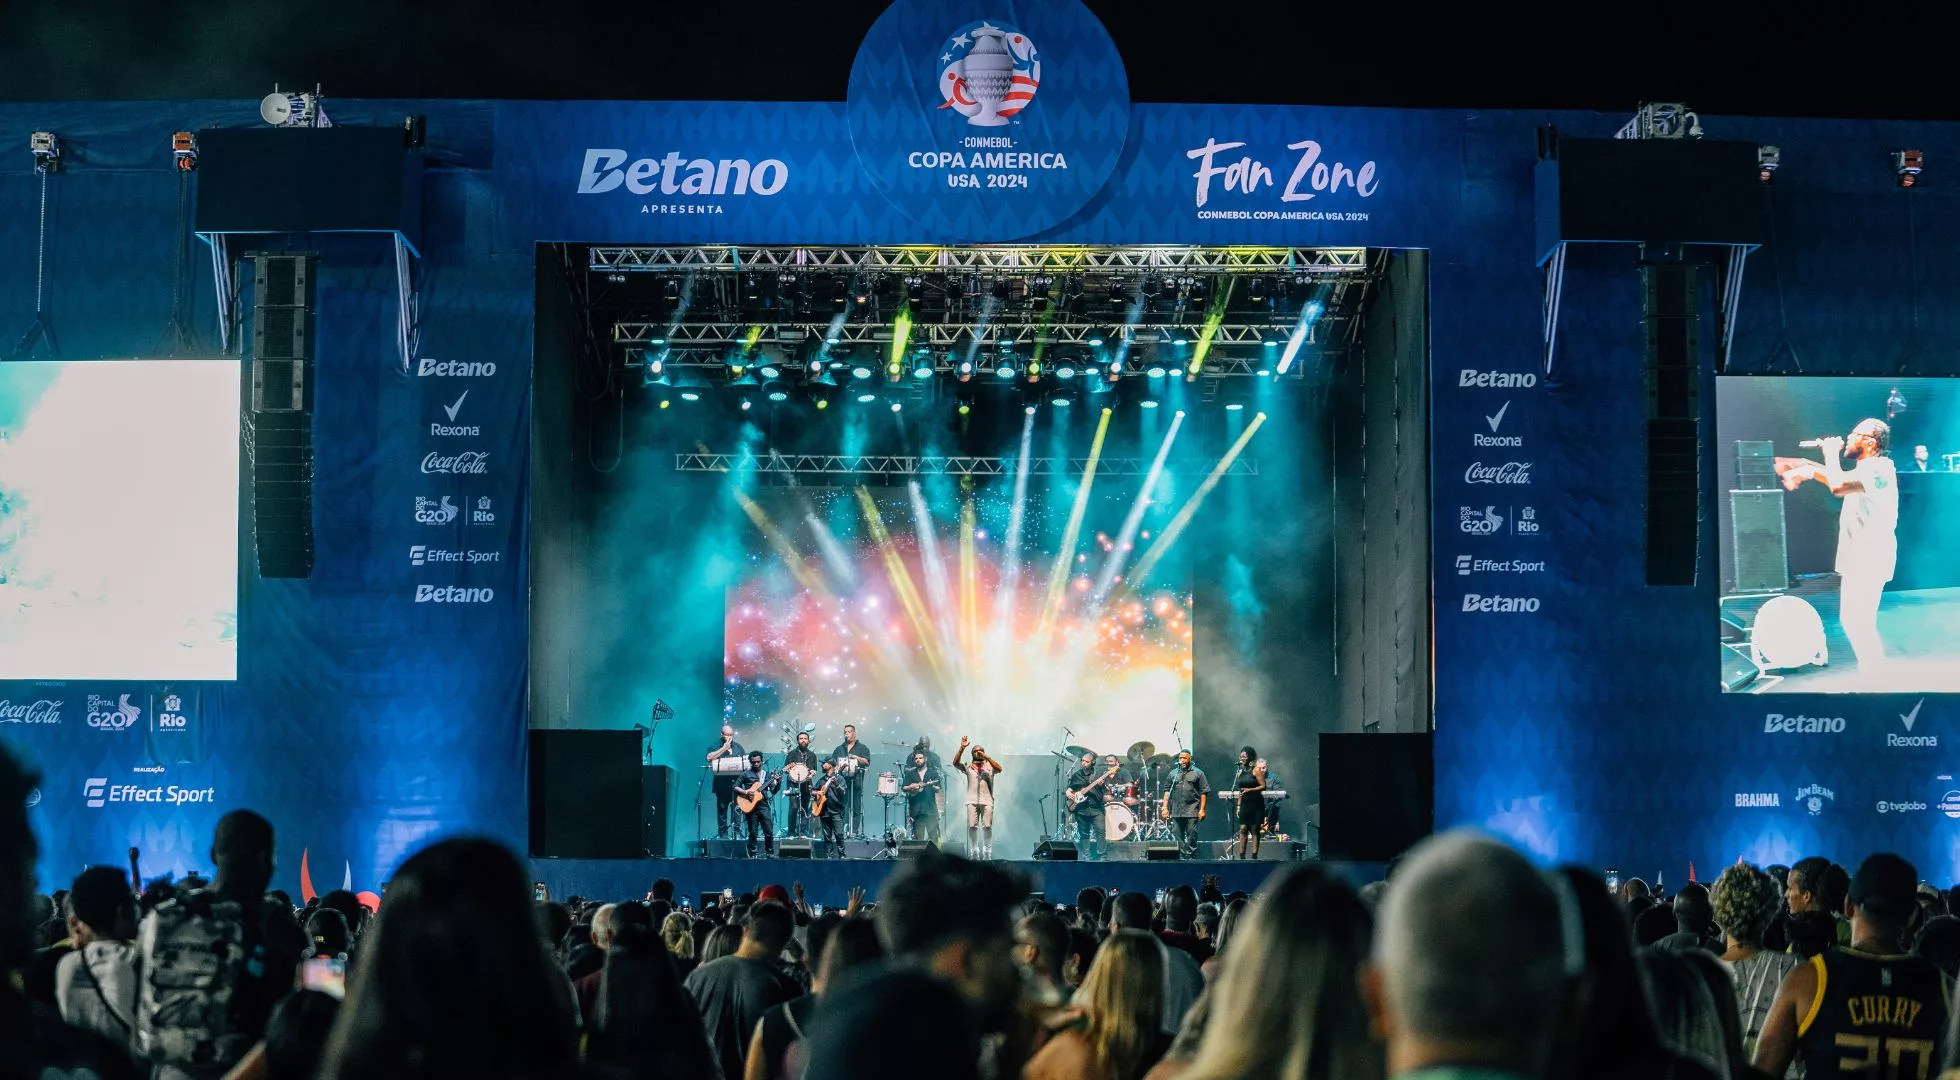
748,800
1075,797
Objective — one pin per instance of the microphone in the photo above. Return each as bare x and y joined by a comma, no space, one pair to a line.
1812,444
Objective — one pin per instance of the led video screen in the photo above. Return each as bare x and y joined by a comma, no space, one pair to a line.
119,519
981,609
1839,509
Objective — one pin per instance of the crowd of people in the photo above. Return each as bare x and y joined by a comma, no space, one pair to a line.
1465,963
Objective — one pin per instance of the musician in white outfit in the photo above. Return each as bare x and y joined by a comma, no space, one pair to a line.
1868,521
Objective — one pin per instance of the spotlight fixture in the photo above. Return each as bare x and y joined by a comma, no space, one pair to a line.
1256,290
1908,164
915,290
767,371
1155,371
1097,337
47,151
183,151
922,367
1768,158
898,406
861,371
866,398
1030,410
965,408
1065,371
966,370
1005,368
1148,403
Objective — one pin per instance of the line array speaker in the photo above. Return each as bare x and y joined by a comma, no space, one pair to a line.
1673,374
278,425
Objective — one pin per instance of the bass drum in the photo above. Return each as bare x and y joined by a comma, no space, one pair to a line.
888,783
1118,823
797,772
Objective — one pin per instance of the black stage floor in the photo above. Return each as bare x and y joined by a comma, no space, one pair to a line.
828,881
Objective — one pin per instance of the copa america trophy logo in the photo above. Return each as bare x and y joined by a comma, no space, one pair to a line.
988,73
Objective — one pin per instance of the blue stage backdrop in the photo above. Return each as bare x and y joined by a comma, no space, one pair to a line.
1576,709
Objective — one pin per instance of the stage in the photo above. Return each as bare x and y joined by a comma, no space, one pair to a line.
829,881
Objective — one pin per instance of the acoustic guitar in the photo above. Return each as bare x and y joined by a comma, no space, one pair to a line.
823,793
752,798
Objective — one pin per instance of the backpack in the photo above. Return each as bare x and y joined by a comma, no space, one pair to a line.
195,952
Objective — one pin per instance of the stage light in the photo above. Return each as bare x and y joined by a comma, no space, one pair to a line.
1256,291
1059,401
1234,406
689,395
922,368
1096,339
1001,288
1148,403
656,341
1264,373
777,395
860,372
656,366
867,398
672,292
1034,369
664,403
767,371
1908,164
747,404
822,404
1030,410
831,339
966,370
751,287
915,290
965,408
1768,159
1005,369
892,369
840,293
1065,372
1155,371
898,406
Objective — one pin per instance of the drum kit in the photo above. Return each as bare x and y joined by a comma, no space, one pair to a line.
1135,808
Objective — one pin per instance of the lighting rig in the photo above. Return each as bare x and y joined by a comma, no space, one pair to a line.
905,324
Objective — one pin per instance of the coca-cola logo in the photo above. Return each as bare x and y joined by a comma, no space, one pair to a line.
468,463
37,712
1511,472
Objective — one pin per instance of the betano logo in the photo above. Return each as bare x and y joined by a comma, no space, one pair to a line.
1779,724
606,170
1509,605
455,369
453,594
1496,380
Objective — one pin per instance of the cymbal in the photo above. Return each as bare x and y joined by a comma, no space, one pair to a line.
1159,761
1078,751
1142,750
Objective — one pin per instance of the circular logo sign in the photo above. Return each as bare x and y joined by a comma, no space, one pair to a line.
989,120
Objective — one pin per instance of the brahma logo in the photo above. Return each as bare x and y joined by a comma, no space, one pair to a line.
1509,605
988,73
455,369
452,594
467,463
1496,380
431,512
1815,797
43,711
106,715
1511,472
1779,724
1757,798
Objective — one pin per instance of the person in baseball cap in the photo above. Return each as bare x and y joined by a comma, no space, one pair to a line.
1870,990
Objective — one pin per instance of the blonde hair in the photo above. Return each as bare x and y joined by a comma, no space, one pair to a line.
1309,933
677,933
1123,995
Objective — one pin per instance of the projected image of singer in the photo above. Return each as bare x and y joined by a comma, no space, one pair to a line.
1868,521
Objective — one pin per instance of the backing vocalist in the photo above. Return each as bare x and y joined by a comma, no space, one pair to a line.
1868,521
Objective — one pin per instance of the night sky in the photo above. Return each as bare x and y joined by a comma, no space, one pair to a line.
1297,54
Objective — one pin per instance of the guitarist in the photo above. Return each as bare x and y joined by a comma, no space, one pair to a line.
1086,797
922,782
752,795
828,806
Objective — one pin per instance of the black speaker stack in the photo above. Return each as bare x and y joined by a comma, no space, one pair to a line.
1671,313
278,421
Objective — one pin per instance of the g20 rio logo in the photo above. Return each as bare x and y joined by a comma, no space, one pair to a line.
106,715
988,73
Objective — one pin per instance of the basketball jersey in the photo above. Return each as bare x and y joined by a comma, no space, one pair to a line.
1874,1017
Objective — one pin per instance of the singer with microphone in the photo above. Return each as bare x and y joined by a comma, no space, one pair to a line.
1868,521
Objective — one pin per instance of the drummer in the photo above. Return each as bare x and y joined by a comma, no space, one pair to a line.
1123,785
799,772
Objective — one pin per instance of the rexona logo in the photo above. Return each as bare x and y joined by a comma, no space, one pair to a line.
432,512
1499,604
467,463
30,712
674,174
428,556
1496,380
454,429
1757,798
118,715
1779,724
98,792
1815,797
452,594
1899,807
455,369
1908,739
1496,422
1511,472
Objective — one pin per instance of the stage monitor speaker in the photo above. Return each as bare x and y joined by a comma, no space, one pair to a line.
1162,852
656,805
795,849
1055,851
909,848
1376,795
1755,465
586,790
1761,541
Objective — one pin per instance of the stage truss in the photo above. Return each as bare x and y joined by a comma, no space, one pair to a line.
887,465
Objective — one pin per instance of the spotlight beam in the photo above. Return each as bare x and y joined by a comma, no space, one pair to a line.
1065,554
1308,313
1185,513
1001,637
902,584
1134,520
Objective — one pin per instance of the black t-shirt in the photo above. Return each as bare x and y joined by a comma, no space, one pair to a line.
36,1045
806,757
781,1026
1091,801
733,993
735,751
833,802
859,750
926,799
1880,1016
